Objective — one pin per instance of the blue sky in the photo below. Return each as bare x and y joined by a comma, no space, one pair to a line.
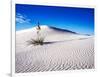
80,20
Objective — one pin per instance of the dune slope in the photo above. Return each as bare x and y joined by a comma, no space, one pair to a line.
65,50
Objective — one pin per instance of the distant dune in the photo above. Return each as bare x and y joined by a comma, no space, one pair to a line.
63,50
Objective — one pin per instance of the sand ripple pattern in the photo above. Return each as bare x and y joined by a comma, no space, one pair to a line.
65,55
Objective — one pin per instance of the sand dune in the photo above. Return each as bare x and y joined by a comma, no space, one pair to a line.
67,51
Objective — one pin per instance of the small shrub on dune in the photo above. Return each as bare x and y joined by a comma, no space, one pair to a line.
39,39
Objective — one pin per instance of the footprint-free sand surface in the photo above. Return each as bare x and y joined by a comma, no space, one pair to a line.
63,50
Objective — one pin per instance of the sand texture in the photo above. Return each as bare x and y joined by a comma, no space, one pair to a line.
63,50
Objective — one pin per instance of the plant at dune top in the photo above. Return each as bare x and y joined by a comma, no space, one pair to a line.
39,38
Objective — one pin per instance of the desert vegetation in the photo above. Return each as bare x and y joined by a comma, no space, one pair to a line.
39,40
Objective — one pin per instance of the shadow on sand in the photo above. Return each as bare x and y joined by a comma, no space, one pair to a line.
52,42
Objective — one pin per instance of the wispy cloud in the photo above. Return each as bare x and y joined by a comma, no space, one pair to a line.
22,18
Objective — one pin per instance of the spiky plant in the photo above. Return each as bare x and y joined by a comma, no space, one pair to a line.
39,39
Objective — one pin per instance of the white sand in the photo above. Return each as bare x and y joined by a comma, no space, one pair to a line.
66,51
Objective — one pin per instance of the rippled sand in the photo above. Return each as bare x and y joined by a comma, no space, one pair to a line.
63,51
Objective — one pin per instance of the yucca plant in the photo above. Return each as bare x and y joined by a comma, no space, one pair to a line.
39,39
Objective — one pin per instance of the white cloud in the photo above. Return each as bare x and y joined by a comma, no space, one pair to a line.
21,18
